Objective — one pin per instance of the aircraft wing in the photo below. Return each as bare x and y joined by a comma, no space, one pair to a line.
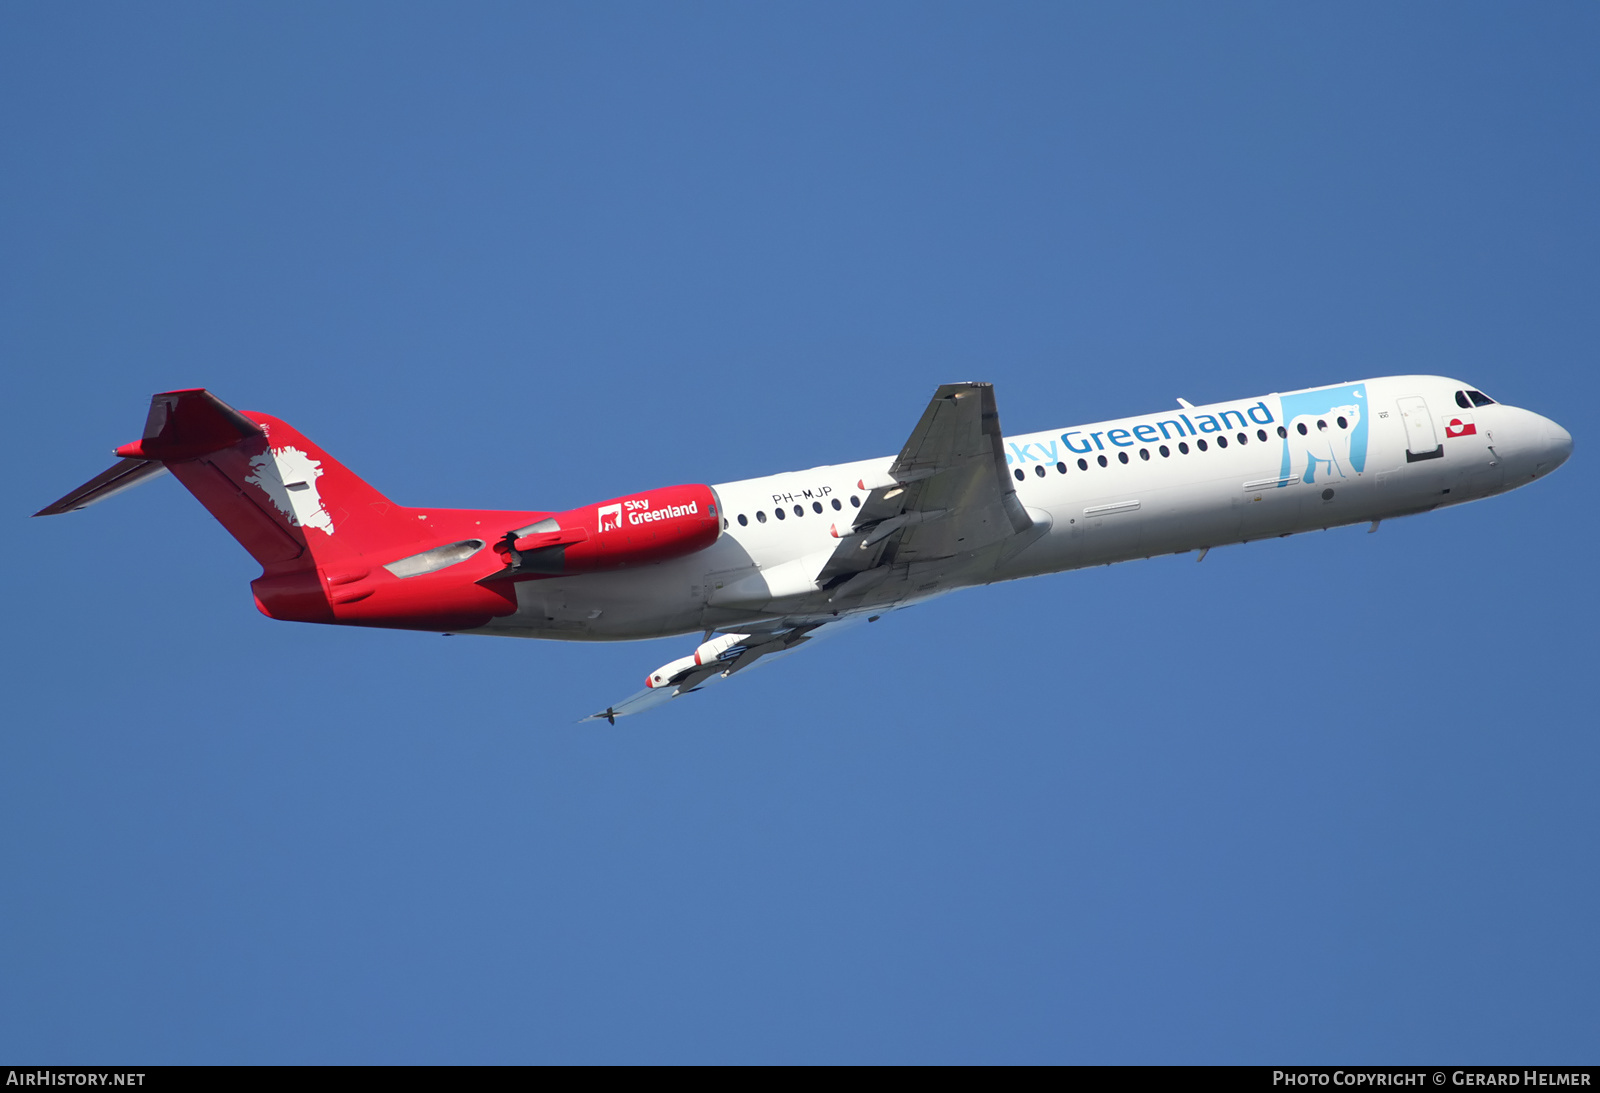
947,494
721,656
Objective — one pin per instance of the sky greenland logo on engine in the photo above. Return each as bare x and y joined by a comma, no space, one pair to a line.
647,516
289,479
610,517
1325,433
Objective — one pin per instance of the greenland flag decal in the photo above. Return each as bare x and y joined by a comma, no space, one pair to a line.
1460,425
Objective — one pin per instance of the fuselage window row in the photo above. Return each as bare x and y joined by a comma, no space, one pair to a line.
1241,438
1166,452
799,510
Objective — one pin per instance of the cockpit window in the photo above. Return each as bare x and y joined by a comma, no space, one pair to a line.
1480,399
1463,401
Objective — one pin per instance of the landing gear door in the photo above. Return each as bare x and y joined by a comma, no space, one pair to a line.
1422,442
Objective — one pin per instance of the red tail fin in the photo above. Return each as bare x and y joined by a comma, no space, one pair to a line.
325,539
335,511
289,503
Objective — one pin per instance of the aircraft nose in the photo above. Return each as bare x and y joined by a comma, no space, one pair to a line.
1533,443
1558,444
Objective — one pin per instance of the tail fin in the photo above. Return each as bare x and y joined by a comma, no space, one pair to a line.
334,509
325,539
288,502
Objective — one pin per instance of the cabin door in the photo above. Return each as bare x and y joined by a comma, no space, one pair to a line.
1422,441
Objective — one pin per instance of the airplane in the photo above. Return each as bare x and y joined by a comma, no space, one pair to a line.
762,566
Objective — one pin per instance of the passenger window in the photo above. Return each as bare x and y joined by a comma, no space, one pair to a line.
1342,423
1061,468
816,506
836,505
1222,442
1480,399
1184,448
855,502
1200,444
780,514
744,521
1244,438
799,510
1463,401
1122,457
1017,474
1144,454
1282,432
1322,426
1083,464
761,517
1261,435
1101,460
1301,428
1039,470
1166,452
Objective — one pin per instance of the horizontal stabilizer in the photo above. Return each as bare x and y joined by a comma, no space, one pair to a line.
181,425
189,424
124,475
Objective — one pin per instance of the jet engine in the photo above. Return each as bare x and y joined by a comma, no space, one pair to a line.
705,654
640,529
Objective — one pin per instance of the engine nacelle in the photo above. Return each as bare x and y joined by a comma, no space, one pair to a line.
640,529
664,675
705,653
709,651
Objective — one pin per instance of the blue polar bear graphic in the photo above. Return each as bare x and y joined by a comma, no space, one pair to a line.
1315,440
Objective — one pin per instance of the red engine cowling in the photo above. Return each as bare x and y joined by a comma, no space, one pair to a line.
639,529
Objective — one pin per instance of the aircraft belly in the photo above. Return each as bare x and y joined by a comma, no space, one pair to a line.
1268,507
1200,514
648,602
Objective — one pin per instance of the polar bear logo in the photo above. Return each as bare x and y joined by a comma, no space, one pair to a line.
1324,441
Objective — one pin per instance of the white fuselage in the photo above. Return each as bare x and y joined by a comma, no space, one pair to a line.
1168,482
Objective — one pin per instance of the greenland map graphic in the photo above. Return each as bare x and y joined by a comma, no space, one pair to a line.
289,479
1328,451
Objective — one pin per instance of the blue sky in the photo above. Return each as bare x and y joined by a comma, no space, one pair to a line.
1324,799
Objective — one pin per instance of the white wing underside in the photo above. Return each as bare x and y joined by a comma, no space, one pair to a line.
945,507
